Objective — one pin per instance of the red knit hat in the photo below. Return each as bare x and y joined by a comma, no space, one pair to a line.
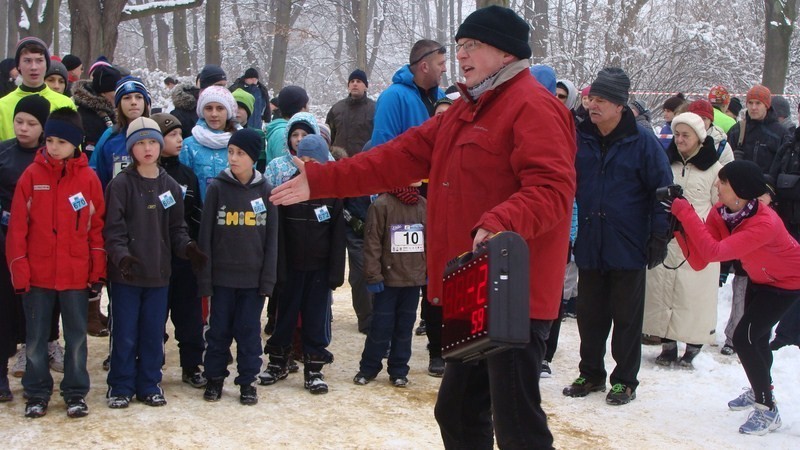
718,95
702,108
761,93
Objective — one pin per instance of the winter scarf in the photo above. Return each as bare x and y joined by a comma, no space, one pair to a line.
406,195
209,138
735,218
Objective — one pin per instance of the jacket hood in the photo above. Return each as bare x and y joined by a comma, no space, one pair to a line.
183,98
275,126
704,159
302,116
228,177
83,95
71,165
572,92
404,76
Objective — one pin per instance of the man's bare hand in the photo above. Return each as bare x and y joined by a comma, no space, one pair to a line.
295,190
480,236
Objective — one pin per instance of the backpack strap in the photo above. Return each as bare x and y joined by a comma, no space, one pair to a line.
721,147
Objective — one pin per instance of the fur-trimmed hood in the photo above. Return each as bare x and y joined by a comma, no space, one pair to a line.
83,95
183,96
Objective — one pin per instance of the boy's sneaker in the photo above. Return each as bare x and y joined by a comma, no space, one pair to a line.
18,369
761,421
422,329
547,372
76,407
118,402
272,374
745,400
248,395
436,367
315,383
620,394
582,387
153,399
56,353
213,390
193,377
399,382
35,408
361,379
727,350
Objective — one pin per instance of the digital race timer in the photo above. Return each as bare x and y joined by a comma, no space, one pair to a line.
485,302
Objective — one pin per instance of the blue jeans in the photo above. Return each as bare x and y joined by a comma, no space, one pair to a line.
235,314
393,314
138,315
501,391
38,304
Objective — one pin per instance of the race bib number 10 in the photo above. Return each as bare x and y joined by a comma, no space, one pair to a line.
407,238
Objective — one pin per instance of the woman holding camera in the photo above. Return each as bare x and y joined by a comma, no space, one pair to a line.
742,228
681,302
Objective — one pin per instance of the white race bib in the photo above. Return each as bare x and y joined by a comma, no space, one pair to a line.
120,163
77,201
258,205
167,200
407,238
322,214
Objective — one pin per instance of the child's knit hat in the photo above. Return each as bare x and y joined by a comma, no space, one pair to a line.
35,105
219,95
65,123
130,85
315,147
143,128
250,141
245,100
166,122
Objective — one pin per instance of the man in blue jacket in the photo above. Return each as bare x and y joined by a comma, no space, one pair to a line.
621,230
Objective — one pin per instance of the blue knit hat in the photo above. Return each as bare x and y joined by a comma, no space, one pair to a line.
143,128
130,85
315,147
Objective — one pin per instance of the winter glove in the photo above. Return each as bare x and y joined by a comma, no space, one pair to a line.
126,267
95,289
197,258
656,250
375,288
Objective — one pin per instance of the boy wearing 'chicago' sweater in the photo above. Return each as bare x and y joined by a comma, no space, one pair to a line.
239,232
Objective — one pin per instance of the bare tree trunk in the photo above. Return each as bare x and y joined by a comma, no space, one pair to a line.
362,27
244,35
540,28
146,24
182,62
39,25
213,48
162,56
441,26
780,18
195,44
280,45
378,24
484,3
425,14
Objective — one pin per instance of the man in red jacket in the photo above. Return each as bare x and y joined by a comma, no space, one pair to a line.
501,158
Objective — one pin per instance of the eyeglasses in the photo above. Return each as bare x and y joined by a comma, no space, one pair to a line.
561,96
468,46
441,50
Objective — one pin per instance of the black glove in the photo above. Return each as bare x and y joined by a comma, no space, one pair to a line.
656,250
197,258
95,289
126,265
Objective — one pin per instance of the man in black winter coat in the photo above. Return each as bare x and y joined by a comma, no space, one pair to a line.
250,84
763,134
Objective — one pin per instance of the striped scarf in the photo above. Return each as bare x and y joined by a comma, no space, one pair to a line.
407,195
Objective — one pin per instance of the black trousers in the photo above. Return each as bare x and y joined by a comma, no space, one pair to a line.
432,315
186,312
500,392
555,331
606,298
764,306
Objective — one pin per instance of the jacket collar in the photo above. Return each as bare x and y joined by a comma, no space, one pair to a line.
625,128
703,159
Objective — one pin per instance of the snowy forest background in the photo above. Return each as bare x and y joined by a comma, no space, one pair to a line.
666,46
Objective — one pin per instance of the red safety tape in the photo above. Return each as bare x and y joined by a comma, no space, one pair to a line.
702,94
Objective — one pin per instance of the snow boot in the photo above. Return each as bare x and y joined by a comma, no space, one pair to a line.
213,390
669,354
312,371
277,368
5,389
691,352
94,325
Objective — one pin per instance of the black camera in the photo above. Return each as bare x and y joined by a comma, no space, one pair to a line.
669,193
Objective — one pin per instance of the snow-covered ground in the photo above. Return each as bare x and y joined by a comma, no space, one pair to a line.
674,408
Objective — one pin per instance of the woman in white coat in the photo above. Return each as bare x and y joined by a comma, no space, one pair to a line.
680,302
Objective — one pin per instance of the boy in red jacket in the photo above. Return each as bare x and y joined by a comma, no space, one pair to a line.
55,253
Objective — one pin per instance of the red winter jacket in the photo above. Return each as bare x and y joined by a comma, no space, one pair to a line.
503,163
767,251
49,244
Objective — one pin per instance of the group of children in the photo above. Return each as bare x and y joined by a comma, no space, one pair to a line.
163,222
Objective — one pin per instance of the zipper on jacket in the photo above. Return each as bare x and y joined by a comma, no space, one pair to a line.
78,219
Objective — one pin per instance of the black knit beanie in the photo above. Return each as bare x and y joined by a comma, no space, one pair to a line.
745,177
71,62
211,74
612,84
735,106
358,74
499,27
292,99
248,140
35,105
104,79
